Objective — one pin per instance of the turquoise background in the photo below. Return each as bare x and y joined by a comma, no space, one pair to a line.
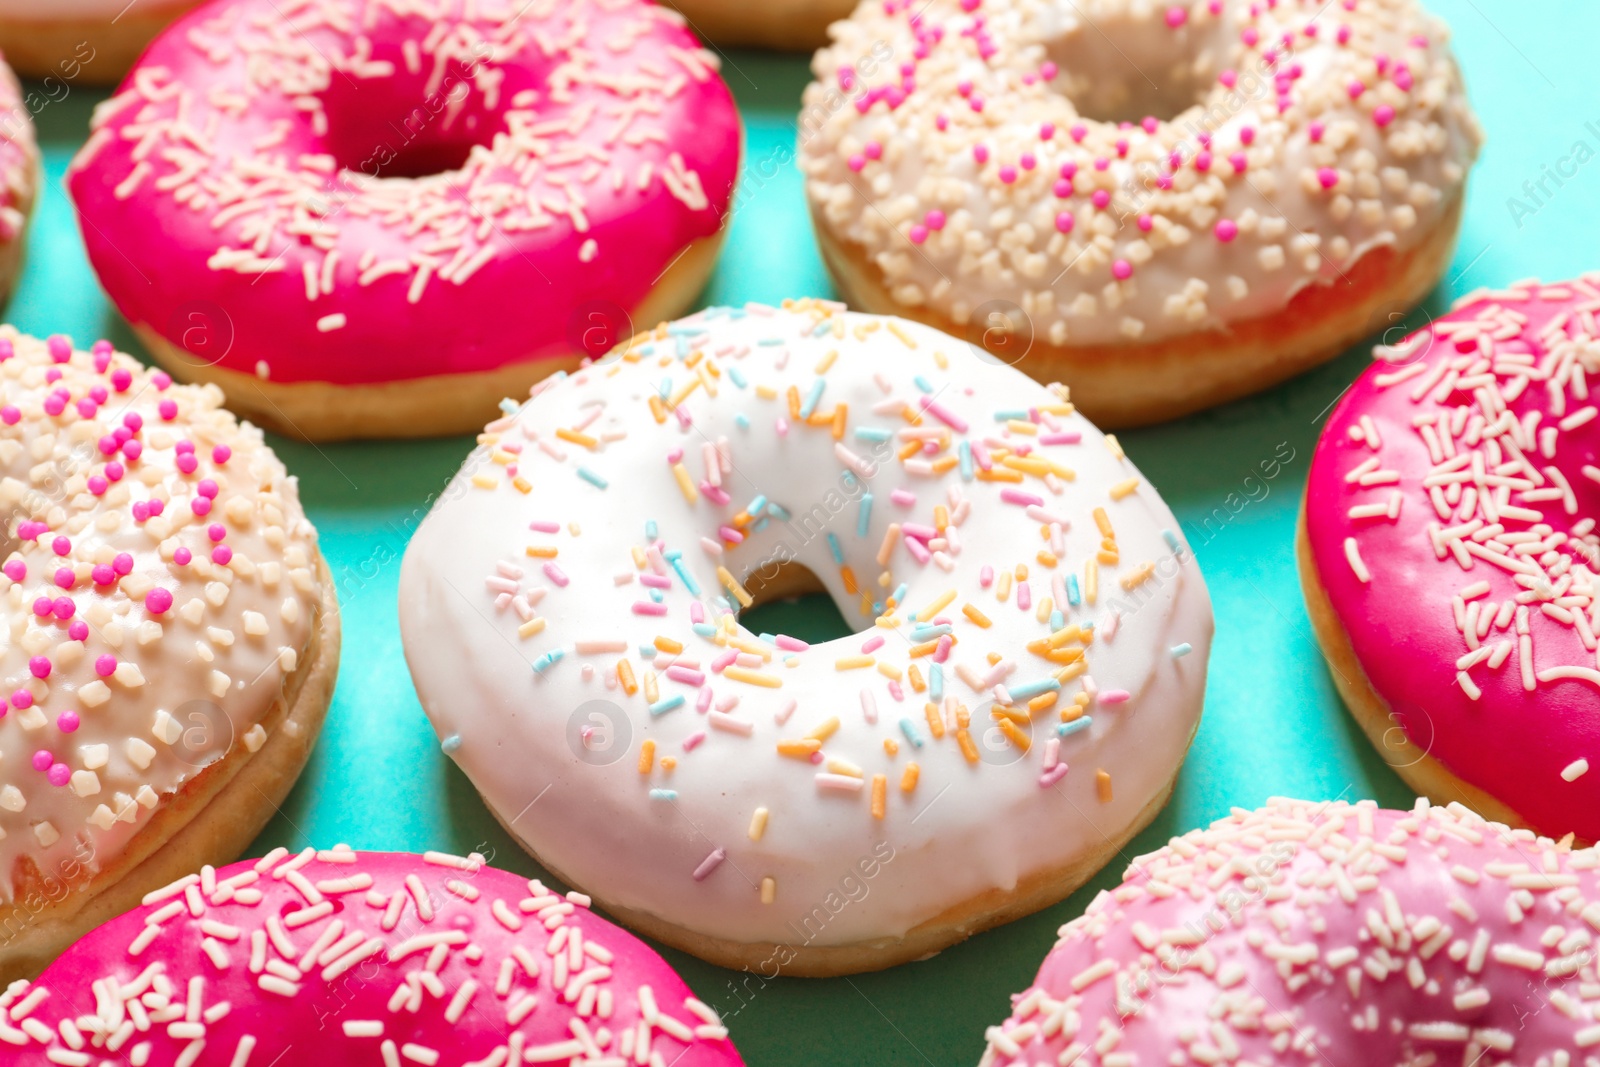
1273,723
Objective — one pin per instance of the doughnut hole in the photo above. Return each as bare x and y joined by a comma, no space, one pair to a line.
789,598
1121,68
404,126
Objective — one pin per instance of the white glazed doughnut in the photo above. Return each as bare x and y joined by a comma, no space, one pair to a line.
1174,204
1026,684
170,637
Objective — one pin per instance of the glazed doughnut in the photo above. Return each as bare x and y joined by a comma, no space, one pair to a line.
360,957
81,42
352,194
1013,178
1326,933
789,25
1034,637
20,176
1449,555
170,644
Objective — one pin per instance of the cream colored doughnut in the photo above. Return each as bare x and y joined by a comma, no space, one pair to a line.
1164,206
1027,680
170,638
19,178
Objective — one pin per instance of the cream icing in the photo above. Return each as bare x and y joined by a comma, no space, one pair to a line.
1301,135
268,148
568,613
160,584
1326,933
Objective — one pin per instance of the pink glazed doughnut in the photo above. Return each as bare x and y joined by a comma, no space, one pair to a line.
359,958
1331,934
1449,555
363,222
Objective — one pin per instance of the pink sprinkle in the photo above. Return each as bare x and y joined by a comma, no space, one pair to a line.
67,722
22,700
545,527
10,415
157,601
1146,223
1114,696
207,488
1101,199
918,551
918,233
1121,270
1065,437
1047,70
122,563
685,675
1176,16
1017,496
1327,177
714,860
1064,221
105,666
65,577
944,415
64,608
1226,230
1228,78
59,347
986,576
555,574
703,701
219,455
1024,596
98,485
790,644
1383,114
61,546
723,660
162,380
79,630
646,607
42,759
692,742
1008,173
200,505
221,555
656,581
1356,89
872,644
43,606
16,570
1078,132
114,472
60,774
980,153
39,666
942,651
934,220
103,575
1052,776
187,463
904,497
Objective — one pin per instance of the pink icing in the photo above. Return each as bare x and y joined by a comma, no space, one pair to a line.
1330,934
248,194
1517,724
339,982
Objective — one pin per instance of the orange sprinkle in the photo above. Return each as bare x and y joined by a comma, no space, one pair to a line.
968,749
1043,701
911,415
840,413
794,403
769,890
1014,735
523,485
542,551
924,649
1102,520
908,779
799,749
915,677
909,449
824,730
999,474
1102,782
657,408
625,677
1140,575
880,795
935,720
647,756
577,438
891,747
945,463
941,516
849,577
1046,558
669,763
976,616
669,646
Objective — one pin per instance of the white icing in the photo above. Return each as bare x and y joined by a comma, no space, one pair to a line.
966,828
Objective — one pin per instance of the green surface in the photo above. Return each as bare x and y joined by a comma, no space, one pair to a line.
1273,724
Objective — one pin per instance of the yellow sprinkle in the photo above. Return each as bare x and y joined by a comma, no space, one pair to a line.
1002,587
669,646
1114,446
769,890
1022,572
577,438
940,602
880,795
827,361
888,622
647,756
889,670
652,692
850,663
758,824
531,627
740,674
625,677
523,485
1140,575
824,730
844,767
1022,426
1102,782
766,392
908,779
683,394
1103,521
1123,488
941,360
1071,671
1042,612
900,335
1091,580
976,616
542,551
640,561
935,720
732,585
685,483
502,457
999,474
485,481
744,644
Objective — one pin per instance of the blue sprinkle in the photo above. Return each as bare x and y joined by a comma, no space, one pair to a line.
647,651
964,450
757,506
592,478
936,682
1019,414
451,743
1029,690
1172,540
548,660
658,595
684,331
1073,596
671,554
726,604
1057,620
1087,625
864,520
743,420
900,593
1067,729
779,512
665,388
848,480
704,629
769,342
909,728
647,350
923,384
760,524
813,397
1181,650
923,632
684,576
651,530
872,433
508,406
683,347
833,546
877,607
666,704
736,376
821,328
663,794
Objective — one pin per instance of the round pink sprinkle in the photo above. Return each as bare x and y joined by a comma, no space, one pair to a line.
42,759
114,471
67,722
43,606
1101,199
216,531
79,630
140,510
183,446
1047,131
1226,230
54,405
1327,177
1008,173
1315,131
918,233
121,379
10,414
168,409
87,408
132,449
106,665
1176,16
1064,221
98,485
1047,70
1063,188
874,150
1146,222
934,220
162,379
980,153
64,577
59,347
39,666
1240,162
16,570
200,505
856,163
1028,161
157,601
1356,89
122,563
61,546
187,463
1121,270
1079,131
133,421
103,575
182,557
1383,114
64,608
221,555
60,774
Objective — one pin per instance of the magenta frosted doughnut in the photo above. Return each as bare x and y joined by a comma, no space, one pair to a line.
364,197
1450,521
337,957
1326,933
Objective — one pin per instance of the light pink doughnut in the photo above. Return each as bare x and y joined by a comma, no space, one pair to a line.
1329,934
338,957
358,217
